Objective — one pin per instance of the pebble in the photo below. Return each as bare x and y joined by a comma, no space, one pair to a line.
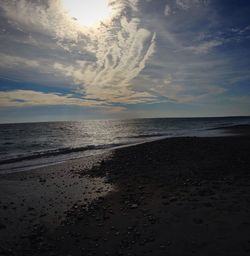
134,206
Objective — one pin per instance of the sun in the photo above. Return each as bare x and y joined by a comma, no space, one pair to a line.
88,12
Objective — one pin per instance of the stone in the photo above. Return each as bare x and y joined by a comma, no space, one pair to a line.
134,206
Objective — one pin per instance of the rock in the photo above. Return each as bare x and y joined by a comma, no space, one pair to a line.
134,206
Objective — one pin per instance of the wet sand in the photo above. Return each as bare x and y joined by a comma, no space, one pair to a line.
178,196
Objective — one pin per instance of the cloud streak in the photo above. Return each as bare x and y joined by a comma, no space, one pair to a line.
204,47
29,98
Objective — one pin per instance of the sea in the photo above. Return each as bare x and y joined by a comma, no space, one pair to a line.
26,146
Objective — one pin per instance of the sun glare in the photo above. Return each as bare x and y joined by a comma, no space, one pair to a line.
88,12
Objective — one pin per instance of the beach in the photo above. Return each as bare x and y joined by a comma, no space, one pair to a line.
176,196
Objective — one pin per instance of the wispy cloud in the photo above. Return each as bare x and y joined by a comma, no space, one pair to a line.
16,61
167,10
29,98
204,47
187,4
173,6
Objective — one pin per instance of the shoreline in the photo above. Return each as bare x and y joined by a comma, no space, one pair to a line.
233,130
177,196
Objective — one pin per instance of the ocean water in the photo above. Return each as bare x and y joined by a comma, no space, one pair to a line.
29,145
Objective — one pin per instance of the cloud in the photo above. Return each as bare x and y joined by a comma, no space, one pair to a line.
28,98
175,91
120,56
50,18
167,10
117,51
33,98
204,47
47,17
172,6
187,4
12,61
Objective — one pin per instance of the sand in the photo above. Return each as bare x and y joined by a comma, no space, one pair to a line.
178,196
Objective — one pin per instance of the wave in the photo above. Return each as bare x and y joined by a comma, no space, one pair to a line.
56,152
146,136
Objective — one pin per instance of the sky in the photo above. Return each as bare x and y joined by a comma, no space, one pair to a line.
105,59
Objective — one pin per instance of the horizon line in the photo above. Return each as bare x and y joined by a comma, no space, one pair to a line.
121,119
